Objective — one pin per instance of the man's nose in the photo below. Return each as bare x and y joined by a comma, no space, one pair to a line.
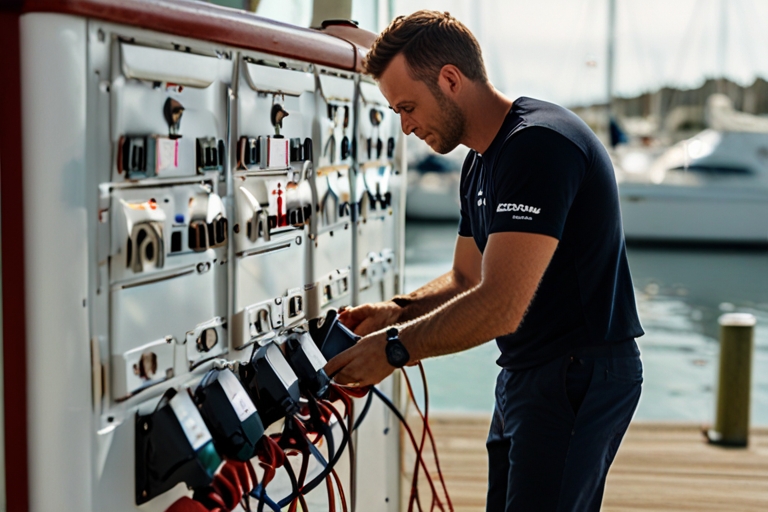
406,124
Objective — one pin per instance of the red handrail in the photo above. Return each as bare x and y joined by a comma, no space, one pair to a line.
209,22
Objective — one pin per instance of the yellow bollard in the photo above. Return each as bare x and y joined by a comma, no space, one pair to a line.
734,380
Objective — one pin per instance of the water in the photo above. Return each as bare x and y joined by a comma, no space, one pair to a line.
680,292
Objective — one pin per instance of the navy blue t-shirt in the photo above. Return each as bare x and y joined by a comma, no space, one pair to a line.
546,172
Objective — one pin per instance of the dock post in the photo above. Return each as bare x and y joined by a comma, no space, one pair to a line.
734,380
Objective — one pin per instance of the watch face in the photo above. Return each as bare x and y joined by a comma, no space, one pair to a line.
397,355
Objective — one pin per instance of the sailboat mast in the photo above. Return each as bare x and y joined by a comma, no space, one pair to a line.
722,47
610,58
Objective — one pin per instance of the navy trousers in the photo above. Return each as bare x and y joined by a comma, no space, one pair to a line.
556,429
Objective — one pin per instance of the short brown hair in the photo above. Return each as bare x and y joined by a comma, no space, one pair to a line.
428,40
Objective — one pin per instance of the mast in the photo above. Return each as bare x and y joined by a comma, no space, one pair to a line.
610,58
722,47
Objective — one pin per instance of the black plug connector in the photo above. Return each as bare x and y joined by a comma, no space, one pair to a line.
230,414
271,384
173,445
307,361
331,336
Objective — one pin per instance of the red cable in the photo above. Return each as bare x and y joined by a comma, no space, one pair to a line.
343,394
415,481
331,409
331,494
233,482
425,418
419,459
271,457
415,497
226,490
187,504
341,490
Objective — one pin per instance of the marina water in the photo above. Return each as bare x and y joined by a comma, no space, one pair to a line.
680,292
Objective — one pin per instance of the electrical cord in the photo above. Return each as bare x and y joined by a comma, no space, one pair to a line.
341,491
235,481
329,409
349,412
328,466
271,457
426,430
419,459
364,412
349,408
298,440
230,485
418,447
352,457
260,494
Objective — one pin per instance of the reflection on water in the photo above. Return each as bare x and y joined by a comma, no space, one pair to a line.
680,293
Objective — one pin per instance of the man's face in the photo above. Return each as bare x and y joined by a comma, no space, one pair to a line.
429,114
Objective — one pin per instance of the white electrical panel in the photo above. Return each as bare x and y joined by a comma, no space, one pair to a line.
379,183
204,204
330,249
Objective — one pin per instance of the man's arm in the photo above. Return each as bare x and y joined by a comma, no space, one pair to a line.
512,267
465,274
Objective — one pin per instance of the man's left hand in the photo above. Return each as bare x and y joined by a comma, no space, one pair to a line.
365,364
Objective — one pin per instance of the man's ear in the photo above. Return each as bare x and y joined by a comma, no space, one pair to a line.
450,80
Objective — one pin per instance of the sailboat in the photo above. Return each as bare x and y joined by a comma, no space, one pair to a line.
710,188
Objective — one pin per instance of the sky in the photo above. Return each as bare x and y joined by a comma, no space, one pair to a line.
556,49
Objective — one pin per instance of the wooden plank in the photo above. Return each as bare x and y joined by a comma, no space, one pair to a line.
660,467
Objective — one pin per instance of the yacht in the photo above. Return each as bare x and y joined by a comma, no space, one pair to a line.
710,188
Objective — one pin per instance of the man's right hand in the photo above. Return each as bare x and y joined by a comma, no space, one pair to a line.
369,318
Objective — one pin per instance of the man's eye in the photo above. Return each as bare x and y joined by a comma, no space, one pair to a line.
407,110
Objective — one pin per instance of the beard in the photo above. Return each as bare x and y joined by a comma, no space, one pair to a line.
452,123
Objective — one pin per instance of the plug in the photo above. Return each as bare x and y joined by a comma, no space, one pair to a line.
229,413
173,445
307,362
271,384
331,336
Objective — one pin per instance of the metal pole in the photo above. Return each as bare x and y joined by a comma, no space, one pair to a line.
734,381
722,47
611,56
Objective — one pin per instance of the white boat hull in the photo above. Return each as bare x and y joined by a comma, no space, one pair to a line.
672,213
433,196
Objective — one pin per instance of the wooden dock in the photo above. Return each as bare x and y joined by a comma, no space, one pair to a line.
660,467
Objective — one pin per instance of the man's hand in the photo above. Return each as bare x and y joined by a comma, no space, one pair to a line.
365,364
368,318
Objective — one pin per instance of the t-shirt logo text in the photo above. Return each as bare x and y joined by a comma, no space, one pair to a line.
514,207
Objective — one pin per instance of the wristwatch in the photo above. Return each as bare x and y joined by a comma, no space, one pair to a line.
397,354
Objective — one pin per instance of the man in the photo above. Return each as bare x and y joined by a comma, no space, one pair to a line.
539,264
